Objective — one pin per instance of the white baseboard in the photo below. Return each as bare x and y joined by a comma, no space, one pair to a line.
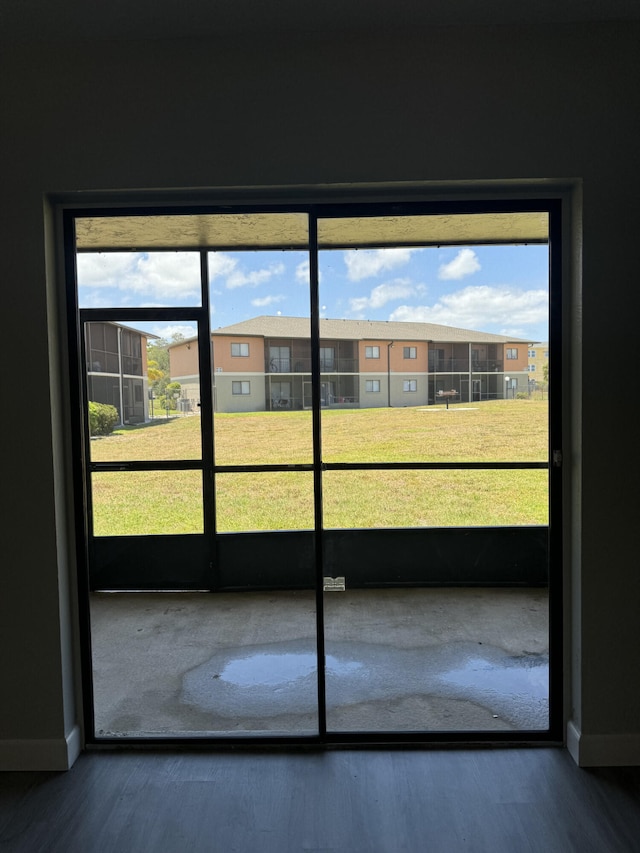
620,750
41,754
74,746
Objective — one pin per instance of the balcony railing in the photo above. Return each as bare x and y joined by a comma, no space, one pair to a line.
350,365
461,365
327,401
303,365
487,366
449,365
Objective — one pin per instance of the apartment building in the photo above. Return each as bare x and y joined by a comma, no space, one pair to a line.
265,364
538,357
116,357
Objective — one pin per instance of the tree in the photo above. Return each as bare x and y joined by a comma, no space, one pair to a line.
153,371
158,366
171,394
545,372
159,371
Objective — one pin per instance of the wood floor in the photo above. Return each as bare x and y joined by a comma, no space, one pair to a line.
440,801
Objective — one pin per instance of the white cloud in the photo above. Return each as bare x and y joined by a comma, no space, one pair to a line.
465,263
168,274
105,270
238,278
302,272
383,293
482,308
220,264
160,276
167,332
263,301
94,299
367,263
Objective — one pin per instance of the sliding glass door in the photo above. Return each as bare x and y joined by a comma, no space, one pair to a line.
313,470
436,484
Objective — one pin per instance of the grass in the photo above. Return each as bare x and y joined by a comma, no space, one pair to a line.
170,502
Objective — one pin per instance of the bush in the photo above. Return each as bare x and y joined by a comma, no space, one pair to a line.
169,400
102,418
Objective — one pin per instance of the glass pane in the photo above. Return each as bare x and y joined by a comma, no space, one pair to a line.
429,349
264,501
441,338
140,503
437,659
262,361
355,499
204,664
143,395
138,279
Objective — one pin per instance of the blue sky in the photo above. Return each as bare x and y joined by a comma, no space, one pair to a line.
499,289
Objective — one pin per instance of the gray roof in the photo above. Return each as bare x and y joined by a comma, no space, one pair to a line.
299,327
148,335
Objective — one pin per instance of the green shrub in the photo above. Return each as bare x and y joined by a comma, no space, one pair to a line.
102,418
169,400
522,395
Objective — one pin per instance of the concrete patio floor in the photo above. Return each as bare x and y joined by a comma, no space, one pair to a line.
437,659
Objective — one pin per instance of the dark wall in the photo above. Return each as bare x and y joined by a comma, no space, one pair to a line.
452,110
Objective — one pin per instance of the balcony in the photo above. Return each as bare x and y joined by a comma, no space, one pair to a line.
303,365
449,365
243,663
461,365
487,366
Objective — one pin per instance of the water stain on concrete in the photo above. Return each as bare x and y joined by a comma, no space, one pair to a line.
279,678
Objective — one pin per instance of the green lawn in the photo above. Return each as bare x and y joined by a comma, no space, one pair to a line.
170,502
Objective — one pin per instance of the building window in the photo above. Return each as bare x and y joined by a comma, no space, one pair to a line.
131,353
280,395
532,353
240,350
410,385
102,346
240,387
532,368
372,352
512,352
546,353
327,358
372,386
279,359
409,352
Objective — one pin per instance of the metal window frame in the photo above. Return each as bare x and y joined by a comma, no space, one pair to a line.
82,468
241,392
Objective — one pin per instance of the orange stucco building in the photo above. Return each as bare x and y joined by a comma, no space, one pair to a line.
265,364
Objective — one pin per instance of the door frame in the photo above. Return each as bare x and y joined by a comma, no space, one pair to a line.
336,209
